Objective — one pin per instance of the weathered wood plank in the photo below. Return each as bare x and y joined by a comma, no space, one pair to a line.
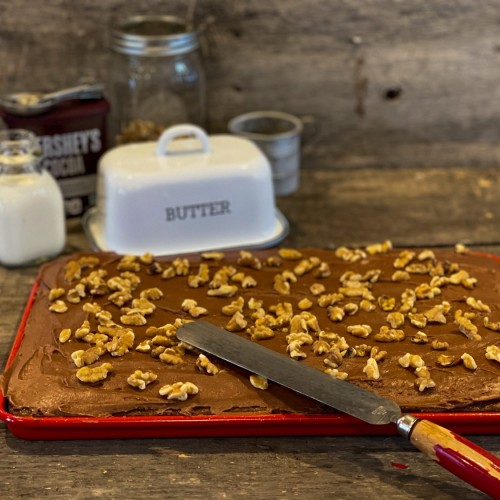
391,83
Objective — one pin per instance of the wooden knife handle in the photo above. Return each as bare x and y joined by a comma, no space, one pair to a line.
466,460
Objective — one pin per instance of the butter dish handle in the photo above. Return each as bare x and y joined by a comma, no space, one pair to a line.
182,130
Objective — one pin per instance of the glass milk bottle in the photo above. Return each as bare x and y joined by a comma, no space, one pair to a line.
32,221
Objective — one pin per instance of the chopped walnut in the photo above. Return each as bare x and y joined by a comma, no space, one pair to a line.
386,303
377,354
144,346
83,330
300,337
306,265
64,335
141,379
95,374
400,276
223,291
289,254
403,259
411,361
469,361
151,294
215,256
477,305
129,263
426,291
351,308
460,248
246,259
200,279
367,306
320,347
171,356
418,268
378,248
261,332
408,299
420,338
205,365
395,319
495,326
362,331
418,319
259,382
234,307
439,345
305,304
335,373
333,358
91,307
58,306
436,314
446,361
56,293
493,353
144,306
424,380
317,289
386,334
336,314
371,369
349,255
72,271
87,357
329,299
179,390
133,318
295,351
120,298
282,282
121,344
466,326
237,323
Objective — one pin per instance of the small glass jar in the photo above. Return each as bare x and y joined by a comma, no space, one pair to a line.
156,78
32,220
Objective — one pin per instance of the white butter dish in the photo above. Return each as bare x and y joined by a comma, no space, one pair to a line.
184,194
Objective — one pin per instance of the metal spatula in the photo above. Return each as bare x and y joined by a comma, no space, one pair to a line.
467,461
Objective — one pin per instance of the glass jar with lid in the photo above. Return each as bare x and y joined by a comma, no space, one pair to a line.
32,220
157,78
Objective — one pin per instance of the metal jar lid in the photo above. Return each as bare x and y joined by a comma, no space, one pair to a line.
154,36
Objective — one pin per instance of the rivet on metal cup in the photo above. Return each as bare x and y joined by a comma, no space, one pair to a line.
277,134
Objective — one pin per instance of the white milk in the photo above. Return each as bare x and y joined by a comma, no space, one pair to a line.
32,223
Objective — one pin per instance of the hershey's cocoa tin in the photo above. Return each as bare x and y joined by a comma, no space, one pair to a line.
73,136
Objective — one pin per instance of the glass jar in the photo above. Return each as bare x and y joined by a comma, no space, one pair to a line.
156,78
32,220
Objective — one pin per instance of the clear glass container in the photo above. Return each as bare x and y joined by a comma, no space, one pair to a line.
156,78
32,220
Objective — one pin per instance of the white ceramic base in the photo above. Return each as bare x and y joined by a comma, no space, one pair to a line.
94,230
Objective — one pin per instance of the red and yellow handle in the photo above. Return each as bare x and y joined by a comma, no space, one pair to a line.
466,460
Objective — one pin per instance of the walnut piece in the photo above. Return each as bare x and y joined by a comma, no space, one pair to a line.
179,390
259,382
205,365
371,369
141,379
95,374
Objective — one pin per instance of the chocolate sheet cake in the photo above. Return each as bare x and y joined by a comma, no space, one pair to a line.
419,326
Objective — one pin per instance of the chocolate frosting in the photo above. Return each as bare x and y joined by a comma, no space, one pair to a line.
41,379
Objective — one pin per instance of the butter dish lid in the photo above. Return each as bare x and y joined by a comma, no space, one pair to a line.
188,192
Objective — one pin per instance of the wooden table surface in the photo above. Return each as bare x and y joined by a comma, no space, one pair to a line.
426,207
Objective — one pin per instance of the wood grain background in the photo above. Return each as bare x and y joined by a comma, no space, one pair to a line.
382,82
